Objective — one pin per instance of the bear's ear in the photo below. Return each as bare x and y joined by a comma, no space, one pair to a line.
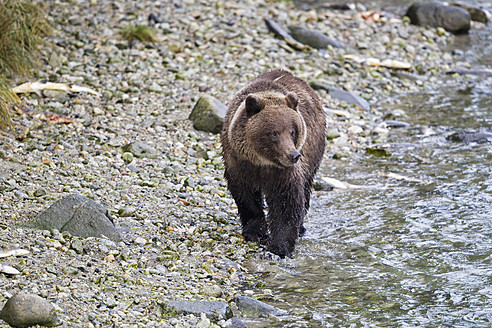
291,99
253,105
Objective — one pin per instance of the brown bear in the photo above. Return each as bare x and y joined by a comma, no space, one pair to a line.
273,140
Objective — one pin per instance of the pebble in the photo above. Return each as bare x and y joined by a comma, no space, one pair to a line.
110,303
139,241
127,157
140,149
39,193
77,245
212,291
7,269
204,321
127,211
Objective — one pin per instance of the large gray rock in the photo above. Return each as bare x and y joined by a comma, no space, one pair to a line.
251,307
78,215
214,310
313,39
452,18
208,114
26,310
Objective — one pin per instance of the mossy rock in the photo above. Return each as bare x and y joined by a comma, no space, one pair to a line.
208,114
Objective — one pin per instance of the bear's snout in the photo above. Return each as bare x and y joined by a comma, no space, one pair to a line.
294,156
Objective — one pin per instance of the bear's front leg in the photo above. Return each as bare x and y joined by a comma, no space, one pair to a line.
286,210
307,198
250,207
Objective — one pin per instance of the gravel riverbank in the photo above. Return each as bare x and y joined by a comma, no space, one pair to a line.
181,236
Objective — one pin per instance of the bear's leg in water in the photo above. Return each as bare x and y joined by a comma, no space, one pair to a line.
250,208
307,195
285,215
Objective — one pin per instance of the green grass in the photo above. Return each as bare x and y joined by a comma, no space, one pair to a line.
7,99
138,33
22,27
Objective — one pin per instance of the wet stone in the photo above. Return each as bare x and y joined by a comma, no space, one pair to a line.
251,307
378,151
468,137
477,14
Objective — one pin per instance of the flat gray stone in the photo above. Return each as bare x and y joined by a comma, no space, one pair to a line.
208,114
251,307
348,97
452,18
396,124
313,38
214,310
278,31
78,215
26,310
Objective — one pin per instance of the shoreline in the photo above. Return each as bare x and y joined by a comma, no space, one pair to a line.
182,240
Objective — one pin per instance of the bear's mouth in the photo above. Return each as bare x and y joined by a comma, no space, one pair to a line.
285,162
291,159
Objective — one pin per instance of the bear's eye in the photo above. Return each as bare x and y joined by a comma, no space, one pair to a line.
274,134
293,135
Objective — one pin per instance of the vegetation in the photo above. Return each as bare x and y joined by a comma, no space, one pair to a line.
22,26
7,99
138,33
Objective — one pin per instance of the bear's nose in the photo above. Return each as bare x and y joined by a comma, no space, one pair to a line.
294,156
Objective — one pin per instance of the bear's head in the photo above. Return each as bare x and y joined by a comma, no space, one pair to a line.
275,130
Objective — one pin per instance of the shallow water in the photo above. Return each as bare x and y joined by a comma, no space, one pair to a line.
401,253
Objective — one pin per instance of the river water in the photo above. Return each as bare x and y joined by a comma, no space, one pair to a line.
403,253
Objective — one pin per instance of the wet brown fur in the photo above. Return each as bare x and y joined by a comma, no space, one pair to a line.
273,141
